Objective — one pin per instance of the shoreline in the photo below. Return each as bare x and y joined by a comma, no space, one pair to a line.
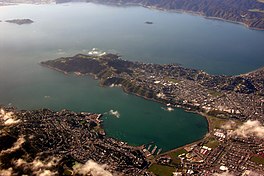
206,117
193,13
181,11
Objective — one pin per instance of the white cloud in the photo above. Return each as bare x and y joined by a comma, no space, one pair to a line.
46,173
8,118
7,115
20,162
223,174
48,163
114,113
37,164
11,121
61,52
92,168
15,147
169,109
250,128
7,172
2,112
229,125
38,167
250,173
160,95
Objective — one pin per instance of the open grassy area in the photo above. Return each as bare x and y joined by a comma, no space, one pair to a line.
172,80
214,93
174,156
67,172
177,153
257,159
216,122
212,143
161,170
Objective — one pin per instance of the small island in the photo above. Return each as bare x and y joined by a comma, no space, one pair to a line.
148,22
20,21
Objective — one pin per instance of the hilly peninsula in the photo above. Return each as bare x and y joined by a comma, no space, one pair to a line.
237,97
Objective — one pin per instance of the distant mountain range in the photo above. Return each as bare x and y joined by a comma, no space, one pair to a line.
248,12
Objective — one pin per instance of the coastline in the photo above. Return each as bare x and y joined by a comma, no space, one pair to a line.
209,126
155,82
181,11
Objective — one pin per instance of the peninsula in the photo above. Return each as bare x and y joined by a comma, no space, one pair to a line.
44,142
234,97
233,106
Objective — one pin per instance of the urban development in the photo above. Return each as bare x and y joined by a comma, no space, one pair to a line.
69,143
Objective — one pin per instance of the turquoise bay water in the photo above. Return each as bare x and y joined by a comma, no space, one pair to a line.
67,29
